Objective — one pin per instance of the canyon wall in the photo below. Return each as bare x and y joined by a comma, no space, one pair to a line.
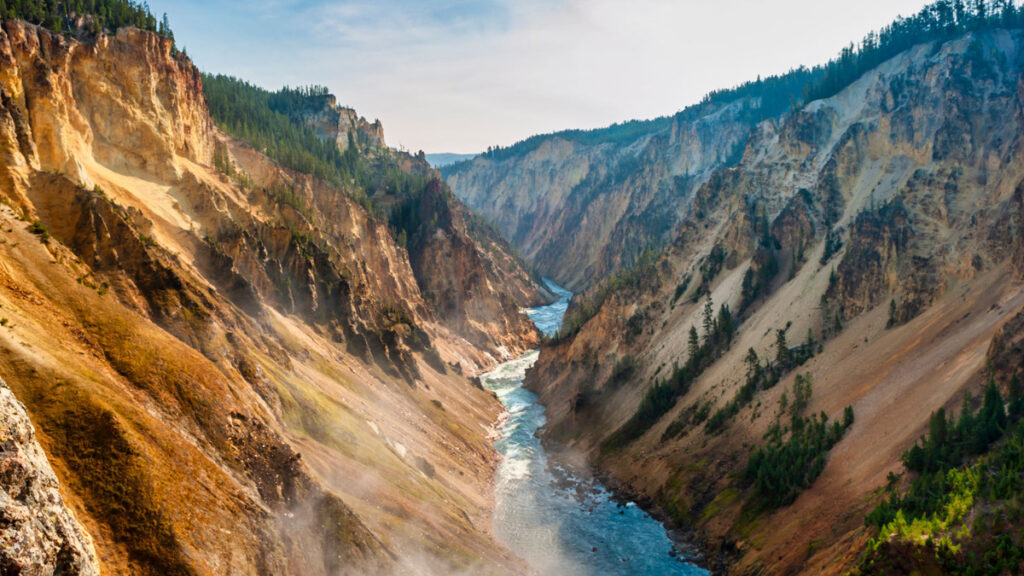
225,380
582,206
878,231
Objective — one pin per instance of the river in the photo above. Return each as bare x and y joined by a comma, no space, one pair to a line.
559,523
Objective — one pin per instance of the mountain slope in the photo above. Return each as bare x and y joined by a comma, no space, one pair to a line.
579,211
470,278
882,224
228,373
581,205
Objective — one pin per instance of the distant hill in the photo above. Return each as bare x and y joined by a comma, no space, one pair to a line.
447,158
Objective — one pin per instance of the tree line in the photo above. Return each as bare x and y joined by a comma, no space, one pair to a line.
264,119
775,95
939,21
763,376
107,15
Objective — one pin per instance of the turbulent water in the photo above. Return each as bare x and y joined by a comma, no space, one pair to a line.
557,522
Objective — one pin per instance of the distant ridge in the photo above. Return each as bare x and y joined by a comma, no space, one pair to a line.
447,158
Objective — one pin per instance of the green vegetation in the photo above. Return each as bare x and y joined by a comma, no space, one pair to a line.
784,467
642,273
222,162
272,122
763,376
833,244
758,278
710,267
37,228
107,15
962,511
635,325
681,288
266,120
769,97
775,95
939,21
422,205
662,396
623,370
764,266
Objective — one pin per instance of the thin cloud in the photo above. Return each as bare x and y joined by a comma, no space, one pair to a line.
459,75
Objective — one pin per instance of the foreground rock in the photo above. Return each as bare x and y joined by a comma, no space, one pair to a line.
39,535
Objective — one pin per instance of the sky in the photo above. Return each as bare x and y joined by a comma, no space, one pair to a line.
462,75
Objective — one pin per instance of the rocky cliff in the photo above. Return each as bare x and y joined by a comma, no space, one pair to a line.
342,125
580,206
228,373
40,534
470,277
867,243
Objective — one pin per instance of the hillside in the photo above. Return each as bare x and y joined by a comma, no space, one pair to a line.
231,366
864,252
578,211
581,205
469,276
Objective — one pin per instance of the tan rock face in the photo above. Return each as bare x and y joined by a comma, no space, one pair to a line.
580,211
40,535
342,125
133,107
904,191
226,378
470,278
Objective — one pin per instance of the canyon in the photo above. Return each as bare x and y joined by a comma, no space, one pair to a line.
240,334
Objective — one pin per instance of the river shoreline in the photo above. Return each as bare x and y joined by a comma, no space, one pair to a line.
690,542
555,512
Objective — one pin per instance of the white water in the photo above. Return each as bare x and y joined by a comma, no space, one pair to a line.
560,524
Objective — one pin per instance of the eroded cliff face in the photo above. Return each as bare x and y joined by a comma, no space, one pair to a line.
471,279
342,125
40,534
883,223
226,379
470,276
579,211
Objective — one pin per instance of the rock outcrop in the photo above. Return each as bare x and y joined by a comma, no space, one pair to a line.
472,280
341,125
39,535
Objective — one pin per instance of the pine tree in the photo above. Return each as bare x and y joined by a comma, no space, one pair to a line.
753,365
694,345
725,324
993,415
782,356
847,417
1016,398
709,320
